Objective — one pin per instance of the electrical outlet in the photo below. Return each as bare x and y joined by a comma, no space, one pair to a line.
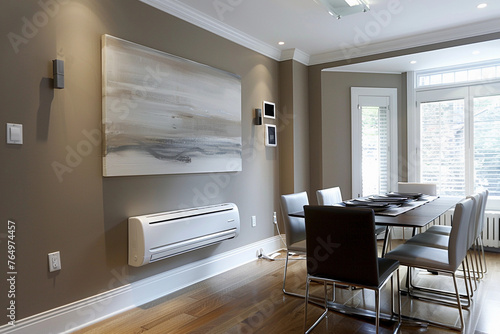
254,221
54,261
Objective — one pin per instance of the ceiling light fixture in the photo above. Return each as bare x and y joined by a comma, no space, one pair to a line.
353,3
281,43
340,8
482,5
413,62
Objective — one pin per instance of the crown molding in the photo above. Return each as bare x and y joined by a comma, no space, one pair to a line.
441,36
203,21
295,54
195,17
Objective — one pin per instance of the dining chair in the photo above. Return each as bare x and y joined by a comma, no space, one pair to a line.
478,245
329,196
334,256
415,187
431,239
332,196
295,234
441,260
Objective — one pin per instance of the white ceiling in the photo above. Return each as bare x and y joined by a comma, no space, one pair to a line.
312,36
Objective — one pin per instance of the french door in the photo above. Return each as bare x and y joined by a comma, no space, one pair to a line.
459,132
373,140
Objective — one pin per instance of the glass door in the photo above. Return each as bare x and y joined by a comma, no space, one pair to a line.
374,140
486,129
460,139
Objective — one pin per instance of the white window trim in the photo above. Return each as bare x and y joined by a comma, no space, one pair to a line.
392,93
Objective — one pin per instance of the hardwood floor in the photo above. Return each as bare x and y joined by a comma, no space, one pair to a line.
249,300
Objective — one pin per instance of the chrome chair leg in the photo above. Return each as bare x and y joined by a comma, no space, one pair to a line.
377,310
308,330
305,305
481,243
284,275
445,294
459,306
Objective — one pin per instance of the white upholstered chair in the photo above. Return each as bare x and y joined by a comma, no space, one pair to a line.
329,196
441,260
295,228
414,187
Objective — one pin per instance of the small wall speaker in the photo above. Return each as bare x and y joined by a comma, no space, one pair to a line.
58,71
258,116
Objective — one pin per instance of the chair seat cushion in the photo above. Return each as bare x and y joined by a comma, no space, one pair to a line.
421,256
385,268
299,246
430,239
439,229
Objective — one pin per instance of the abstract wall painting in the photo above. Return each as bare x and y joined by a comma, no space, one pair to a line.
163,114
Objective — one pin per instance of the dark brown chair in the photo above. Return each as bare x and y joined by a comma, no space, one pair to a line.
342,248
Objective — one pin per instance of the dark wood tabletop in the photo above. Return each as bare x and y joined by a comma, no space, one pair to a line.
422,215
417,217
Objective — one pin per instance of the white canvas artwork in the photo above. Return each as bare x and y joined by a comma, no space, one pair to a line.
163,114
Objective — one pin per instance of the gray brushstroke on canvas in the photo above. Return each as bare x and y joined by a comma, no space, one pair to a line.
164,115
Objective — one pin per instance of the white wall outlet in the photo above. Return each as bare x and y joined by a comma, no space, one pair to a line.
54,261
254,221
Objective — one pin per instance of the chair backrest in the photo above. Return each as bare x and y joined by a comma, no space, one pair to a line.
484,198
341,244
295,229
474,218
458,243
413,187
329,196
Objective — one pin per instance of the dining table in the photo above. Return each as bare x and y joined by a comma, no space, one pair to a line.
414,214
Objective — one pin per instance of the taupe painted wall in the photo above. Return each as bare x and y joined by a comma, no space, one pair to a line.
301,128
325,109
336,122
293,127
83,215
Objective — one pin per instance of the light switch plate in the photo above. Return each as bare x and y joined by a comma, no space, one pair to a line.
14,133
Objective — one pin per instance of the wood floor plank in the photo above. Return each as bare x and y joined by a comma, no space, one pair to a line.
249,300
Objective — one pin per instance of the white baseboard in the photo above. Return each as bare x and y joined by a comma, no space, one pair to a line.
82,313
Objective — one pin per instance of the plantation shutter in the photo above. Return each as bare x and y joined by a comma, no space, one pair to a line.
375,144
487,143
443,145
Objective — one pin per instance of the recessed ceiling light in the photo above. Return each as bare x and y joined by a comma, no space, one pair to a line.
281,43
476,52
413,62
482,5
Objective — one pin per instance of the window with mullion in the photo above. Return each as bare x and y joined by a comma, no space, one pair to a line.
487,143
443,145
